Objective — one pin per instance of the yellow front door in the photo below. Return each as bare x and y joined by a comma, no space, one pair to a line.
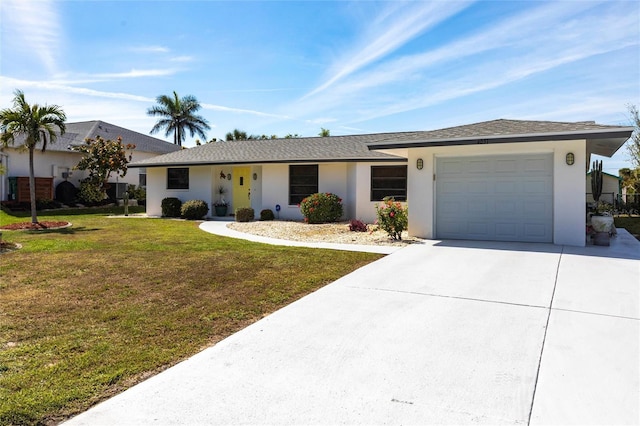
241,187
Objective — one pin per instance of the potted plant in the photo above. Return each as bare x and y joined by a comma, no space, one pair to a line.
221,205
602,224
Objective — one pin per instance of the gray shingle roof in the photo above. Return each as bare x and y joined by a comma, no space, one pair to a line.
504,131
315,149
360,147
76,133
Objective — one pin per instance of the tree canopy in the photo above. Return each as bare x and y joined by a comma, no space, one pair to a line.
177,116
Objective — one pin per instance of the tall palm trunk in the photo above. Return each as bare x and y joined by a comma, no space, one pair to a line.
32,187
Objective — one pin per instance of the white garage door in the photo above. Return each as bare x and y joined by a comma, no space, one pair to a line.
497,198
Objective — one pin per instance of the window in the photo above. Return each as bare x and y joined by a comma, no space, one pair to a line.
303,181
389,181
142,178
178,178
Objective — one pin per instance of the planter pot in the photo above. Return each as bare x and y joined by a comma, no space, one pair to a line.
221,210
601,239
602,223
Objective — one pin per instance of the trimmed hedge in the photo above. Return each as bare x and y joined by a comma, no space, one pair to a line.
322,207
245,214
267,214
194,209
171,207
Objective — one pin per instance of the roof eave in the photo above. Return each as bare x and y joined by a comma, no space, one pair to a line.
292,161
619,134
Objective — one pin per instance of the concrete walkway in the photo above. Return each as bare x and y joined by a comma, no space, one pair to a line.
446,332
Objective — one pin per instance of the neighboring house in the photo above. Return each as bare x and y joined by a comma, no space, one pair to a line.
611,189
503,180
58,160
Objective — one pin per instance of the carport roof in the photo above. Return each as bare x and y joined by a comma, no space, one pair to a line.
601,139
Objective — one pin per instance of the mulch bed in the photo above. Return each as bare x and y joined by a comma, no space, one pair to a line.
28,226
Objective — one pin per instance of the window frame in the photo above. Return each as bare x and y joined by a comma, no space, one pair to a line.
177,182
296,196
399,194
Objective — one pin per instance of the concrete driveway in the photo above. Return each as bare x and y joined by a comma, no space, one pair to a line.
445,332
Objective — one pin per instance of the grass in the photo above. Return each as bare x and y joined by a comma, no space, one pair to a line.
630,223
90,310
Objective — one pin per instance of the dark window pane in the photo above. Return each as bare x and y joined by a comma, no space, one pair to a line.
303,181
178,178
389,181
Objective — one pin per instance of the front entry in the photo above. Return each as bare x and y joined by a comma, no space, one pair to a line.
241,187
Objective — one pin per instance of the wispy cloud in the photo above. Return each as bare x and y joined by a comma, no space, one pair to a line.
243,111
534,42
394,27
134,73
150,49
33,25
183,58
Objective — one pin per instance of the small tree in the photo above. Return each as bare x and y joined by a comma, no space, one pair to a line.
103,157
324,132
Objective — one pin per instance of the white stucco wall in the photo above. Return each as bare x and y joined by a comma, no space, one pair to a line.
54,163
332,177
201,187
568,185
350,181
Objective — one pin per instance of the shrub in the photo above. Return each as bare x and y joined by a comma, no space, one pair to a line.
392,217
267,214
194,209
245,214
90,192
171,207
138,193
356,225
321,208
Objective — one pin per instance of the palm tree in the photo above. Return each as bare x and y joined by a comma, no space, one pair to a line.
178,115
241,135
324,132
35,123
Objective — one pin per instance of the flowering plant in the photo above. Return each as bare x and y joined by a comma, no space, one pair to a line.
321,208
392,217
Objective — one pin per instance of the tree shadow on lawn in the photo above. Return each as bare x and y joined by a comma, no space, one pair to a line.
63,231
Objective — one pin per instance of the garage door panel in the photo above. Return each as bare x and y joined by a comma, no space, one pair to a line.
450,166
477,187
478,166
506,166
503,198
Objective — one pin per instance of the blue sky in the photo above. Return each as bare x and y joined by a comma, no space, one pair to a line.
278,67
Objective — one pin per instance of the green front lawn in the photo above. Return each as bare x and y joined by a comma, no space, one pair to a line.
88,311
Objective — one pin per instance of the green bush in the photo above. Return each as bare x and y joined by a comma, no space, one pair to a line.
321,208
392,217
138,193
171,207
90,192
267,214
194,209
245,214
